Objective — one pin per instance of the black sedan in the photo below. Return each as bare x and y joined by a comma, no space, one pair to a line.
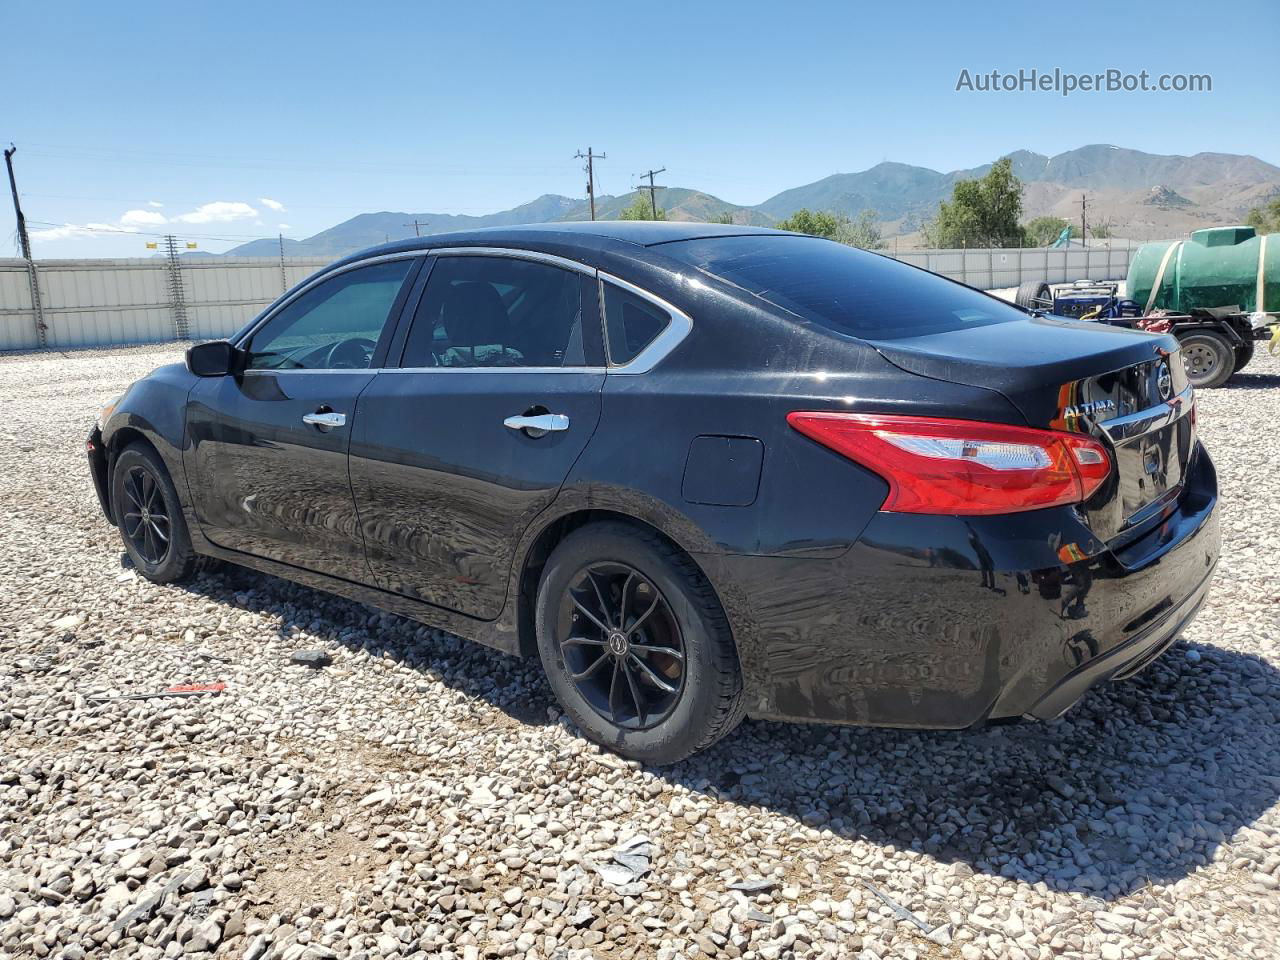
701,472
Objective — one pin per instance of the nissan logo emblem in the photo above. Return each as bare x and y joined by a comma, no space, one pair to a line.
1164,382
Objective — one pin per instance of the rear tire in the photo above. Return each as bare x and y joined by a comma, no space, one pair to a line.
593,633
149,515
1208,359
1034,295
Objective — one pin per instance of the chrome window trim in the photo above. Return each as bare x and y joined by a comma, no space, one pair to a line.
314,281
493,369
267,371
679,327
264,371
514,253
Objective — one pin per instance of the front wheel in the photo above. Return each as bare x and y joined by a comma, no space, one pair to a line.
1207,358
149,515
635,644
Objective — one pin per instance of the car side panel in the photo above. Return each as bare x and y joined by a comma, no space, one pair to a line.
153,407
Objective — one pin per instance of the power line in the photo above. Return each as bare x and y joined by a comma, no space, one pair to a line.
652,188
417,232
103,228
591,175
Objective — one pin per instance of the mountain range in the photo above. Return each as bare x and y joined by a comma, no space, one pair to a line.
1138,195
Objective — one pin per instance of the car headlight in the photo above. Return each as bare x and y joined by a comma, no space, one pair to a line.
106,411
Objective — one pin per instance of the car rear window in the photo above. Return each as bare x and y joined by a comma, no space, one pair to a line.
844,289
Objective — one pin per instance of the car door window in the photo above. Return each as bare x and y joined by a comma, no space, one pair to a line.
497,312
334,325
632,323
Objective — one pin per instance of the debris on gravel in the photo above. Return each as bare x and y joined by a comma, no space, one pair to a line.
422,797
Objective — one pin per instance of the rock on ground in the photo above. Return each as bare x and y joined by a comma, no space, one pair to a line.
420,797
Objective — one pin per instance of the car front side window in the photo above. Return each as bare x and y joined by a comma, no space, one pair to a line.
335,325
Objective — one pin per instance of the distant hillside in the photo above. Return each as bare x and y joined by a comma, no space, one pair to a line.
1137,194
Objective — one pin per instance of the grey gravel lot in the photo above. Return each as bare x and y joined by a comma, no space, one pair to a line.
421,797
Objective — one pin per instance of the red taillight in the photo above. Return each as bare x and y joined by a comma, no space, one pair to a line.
962,466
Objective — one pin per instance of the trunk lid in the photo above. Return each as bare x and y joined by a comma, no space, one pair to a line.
1122,386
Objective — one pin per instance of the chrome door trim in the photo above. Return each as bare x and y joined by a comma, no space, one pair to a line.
293,295
679,327
514,253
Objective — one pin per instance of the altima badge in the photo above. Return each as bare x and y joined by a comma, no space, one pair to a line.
1094,409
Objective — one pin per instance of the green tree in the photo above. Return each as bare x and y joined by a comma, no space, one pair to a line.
819,223
1044,231
1265,219
724,217
862,232
641,209
981,213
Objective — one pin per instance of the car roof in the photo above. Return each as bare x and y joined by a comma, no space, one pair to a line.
567,238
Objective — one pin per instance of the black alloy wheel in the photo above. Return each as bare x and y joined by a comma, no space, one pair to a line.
146,521
622,645
148,512
636,645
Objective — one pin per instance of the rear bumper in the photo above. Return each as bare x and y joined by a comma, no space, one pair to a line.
1122,661
945,622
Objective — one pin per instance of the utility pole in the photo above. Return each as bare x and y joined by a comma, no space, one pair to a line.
33,279
177,299
591,175
1083,235
284,279
17,207
417,231
651,188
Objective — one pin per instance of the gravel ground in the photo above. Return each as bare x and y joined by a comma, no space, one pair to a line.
422,797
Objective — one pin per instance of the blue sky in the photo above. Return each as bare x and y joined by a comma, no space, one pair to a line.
191,117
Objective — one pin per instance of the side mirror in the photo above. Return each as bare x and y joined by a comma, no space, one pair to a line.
217,358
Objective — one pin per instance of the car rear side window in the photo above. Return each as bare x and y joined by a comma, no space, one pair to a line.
497,312
843,289
632,323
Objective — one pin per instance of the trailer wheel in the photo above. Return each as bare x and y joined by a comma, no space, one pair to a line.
1244,353
1034,295
1208,359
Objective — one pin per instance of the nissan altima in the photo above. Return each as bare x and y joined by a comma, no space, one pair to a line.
701,472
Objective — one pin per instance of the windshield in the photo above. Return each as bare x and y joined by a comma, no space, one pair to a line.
839,287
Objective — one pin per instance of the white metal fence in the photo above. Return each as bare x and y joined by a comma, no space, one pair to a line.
82,303
996,268
98,302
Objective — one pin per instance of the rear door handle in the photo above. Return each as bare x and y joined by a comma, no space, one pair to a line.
539,424
325,421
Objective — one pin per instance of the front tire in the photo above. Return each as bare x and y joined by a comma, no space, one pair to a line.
1208,359
149,515
635,644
